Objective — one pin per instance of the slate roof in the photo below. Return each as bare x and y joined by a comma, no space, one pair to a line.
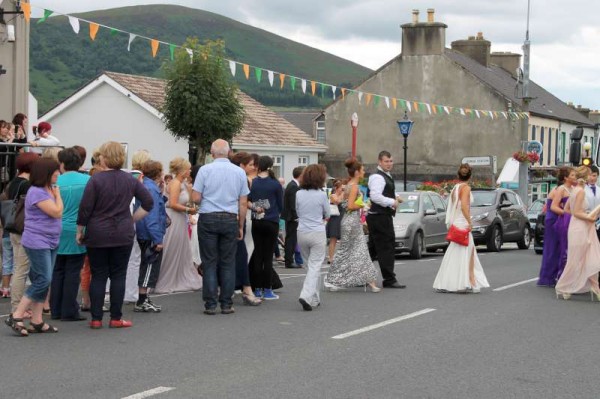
261,125
543,104
302,120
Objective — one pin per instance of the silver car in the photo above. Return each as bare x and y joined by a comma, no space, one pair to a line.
420,223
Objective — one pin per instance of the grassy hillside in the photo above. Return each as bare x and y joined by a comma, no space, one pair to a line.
61,61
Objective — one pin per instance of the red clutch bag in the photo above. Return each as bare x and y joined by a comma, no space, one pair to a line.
459,236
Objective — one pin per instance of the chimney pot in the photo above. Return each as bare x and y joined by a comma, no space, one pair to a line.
430,14
480,36
415,14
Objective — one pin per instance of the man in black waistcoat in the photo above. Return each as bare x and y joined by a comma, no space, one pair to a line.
382,193
290,217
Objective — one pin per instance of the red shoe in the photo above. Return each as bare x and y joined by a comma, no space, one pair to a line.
120,324
95,324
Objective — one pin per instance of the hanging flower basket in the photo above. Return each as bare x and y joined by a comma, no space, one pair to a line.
530,157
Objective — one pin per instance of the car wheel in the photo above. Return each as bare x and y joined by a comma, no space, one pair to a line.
495,241
525,241
539,251
417,248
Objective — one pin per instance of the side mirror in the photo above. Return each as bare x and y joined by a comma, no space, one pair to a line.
430,212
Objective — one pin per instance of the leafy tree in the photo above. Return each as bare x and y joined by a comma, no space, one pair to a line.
201,103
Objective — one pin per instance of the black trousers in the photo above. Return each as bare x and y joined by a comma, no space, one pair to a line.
107,263
382,237
149,264
65,286
264,234
291,239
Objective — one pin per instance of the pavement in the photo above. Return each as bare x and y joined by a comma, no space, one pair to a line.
514,340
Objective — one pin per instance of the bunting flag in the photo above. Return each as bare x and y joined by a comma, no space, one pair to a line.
154,44
406,105
131,38
74,24
93,30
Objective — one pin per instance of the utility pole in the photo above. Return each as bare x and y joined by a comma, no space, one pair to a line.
524,168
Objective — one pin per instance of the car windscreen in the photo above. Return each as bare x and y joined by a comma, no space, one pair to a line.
483,198
409,204
536,207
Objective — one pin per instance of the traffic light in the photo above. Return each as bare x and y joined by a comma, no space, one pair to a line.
587,161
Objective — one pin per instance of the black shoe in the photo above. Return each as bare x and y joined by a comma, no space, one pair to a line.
395,284
292,266
228,310
305,305
210,312
76,318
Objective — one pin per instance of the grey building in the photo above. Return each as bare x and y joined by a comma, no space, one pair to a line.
467,76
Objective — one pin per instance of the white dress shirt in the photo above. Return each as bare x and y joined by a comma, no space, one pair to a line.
593,200
376,186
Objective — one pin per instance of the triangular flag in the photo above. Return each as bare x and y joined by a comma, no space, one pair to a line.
113,31
333,89
93,30
377,98
403,104
271,77
343,93
447,110
504,114
47,13
395,103
246,69
26,11
416,106
428,108
172,51
232,65
369,97
131,37
408,105
477,113
360,96
154,44
387,102
322,89
303,84
74,24
293,82
191,54
258,74
281,80
462,111
313,87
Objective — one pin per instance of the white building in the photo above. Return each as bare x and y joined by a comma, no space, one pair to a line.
126,108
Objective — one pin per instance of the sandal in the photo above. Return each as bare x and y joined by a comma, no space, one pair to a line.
251,300
39,328
21,330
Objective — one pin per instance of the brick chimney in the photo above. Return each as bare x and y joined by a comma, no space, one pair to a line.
423,38
507,61
475,47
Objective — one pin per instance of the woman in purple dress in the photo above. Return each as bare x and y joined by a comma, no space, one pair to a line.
556,225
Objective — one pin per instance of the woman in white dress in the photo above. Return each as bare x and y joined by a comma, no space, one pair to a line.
460,270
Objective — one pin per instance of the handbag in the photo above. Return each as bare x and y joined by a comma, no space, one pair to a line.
459,236
12,213
334,210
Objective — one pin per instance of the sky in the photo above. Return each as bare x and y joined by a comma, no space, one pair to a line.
565,35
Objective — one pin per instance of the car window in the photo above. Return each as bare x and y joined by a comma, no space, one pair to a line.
438,203
427,204
536,207
409,204
513,198
483,198
503,197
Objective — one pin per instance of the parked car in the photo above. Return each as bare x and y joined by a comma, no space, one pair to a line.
410,184
538,233
534,210
420,223
499,216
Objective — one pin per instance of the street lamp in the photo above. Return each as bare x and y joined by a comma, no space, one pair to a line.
587,160
354,124
405,125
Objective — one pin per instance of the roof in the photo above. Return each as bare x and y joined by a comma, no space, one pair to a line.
261,125
302,120
543,103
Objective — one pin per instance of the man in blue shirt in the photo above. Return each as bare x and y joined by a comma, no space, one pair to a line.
221,189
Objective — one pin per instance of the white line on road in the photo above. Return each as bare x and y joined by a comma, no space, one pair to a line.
428,260
383,324
515,284
4,315
148,393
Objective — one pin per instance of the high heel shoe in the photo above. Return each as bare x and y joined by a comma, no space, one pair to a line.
564,295
594,294
373,288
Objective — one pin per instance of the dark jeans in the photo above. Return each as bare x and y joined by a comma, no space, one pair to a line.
264,234
242,272
381,234
291,239
65,286
217,234
108,263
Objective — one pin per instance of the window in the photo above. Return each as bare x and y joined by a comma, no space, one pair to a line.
427,204
563,141
549,146
558,149
278,165
321,136
303,160
542,141
532,132
438,203
513,198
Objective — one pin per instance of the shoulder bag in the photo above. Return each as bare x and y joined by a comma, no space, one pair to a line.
455,234
12,212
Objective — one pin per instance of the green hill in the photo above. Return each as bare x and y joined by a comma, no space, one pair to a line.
62,61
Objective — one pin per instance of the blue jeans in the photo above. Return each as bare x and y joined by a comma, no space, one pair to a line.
217,235
7,256
41,263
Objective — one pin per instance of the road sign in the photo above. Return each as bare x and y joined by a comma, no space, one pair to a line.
535,146
478,161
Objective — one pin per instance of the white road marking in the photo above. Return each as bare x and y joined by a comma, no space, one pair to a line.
4,315
400,263
173,293
428,260
515,284
383,324
150,392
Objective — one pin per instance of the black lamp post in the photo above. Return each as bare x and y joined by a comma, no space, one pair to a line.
405,125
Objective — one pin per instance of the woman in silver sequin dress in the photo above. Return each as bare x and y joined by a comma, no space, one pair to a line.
352,265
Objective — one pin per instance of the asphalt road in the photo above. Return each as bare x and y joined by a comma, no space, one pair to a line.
515,342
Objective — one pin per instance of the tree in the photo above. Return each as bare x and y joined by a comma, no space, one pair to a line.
201,102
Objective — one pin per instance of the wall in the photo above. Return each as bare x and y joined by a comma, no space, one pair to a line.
105,115
547,131
437,143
